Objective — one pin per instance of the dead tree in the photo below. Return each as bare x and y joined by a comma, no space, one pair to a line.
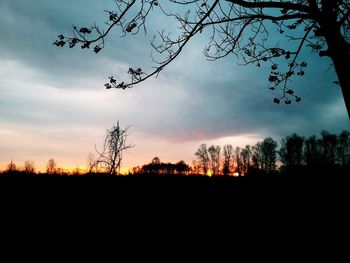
115,143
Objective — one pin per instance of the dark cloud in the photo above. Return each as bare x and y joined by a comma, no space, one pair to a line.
235,100
28,30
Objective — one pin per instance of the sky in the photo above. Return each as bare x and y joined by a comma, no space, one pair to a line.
53,103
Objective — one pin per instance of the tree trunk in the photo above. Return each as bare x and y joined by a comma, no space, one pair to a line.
339,52
341,61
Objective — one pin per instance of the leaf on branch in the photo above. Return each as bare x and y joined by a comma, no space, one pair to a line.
121,86
291,92
59,43
130,27
86,45
73,42
276,52
137,71
287,55
85,30
277,101
290,73
112,80
247,52
112,16
273,78
97,49
287,101
297,99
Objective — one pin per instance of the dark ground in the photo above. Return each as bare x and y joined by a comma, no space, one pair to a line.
299,218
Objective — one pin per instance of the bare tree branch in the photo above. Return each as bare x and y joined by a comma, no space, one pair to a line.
115,143
238,27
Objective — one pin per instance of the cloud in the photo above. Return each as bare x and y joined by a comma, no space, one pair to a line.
53,103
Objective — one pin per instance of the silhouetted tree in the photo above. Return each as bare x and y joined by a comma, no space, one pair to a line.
313,151
115,143
343,148
258,158
155,161
239,27
228,155
11,167
146,169
239,161
203,158
329,150
264,155
181,167
136,170
329,147
167,168
154,167
246,155
92,164
291,151
61,171
29,167
51,166
158,167
77,171
214,152
196,167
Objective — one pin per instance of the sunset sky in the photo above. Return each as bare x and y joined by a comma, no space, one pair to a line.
53,103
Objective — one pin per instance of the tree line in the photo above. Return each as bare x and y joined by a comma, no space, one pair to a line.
329,150
29,168
264,158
